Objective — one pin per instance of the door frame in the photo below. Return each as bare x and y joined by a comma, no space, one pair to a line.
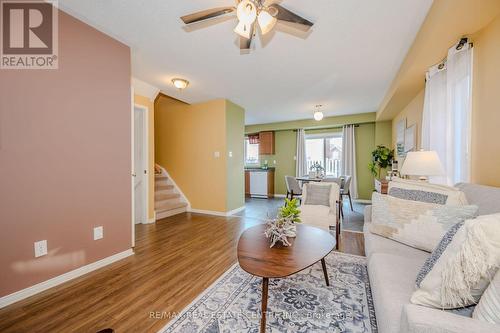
147,166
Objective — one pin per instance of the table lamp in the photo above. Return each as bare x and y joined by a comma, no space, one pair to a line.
422,164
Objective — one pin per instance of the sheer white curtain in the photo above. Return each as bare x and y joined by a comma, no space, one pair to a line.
446,121
348,163
301,162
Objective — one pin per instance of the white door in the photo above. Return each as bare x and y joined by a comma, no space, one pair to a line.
140,166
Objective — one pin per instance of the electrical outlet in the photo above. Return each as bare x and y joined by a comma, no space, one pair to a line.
40,248
98,233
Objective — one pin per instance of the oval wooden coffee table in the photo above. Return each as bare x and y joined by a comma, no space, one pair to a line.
257,258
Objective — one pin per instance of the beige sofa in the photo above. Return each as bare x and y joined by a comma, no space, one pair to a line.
393,267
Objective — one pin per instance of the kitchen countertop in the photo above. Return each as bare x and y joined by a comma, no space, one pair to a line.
259,169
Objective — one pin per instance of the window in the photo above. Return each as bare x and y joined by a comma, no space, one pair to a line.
325,149
251,152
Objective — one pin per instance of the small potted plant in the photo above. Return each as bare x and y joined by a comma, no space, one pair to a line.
382,158
284,225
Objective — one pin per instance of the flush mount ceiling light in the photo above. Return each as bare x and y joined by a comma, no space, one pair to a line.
248,13
318,115
180,83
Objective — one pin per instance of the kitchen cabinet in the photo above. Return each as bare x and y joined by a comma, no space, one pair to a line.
266,143
259,183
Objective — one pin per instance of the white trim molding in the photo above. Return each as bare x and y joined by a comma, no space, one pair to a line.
55,281
216,213
145,89
363,201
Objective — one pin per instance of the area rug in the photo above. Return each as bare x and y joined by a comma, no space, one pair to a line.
299,303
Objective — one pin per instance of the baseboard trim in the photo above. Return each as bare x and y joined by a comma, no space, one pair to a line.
55,281
234,211
216,213
362,201
280,195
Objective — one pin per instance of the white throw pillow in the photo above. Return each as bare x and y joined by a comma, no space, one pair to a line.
414,223
488,308
459,270
422,191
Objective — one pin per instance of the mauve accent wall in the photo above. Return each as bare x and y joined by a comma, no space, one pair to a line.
65,158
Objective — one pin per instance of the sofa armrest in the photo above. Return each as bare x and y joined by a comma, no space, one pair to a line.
368,213
420,319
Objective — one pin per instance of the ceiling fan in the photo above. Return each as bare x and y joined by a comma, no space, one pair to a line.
250,12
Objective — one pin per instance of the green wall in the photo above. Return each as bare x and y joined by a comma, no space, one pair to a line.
235,135
368,135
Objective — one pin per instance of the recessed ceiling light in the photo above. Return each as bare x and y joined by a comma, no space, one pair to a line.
180,83
318,115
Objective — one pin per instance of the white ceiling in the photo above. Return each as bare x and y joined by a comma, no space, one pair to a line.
346,63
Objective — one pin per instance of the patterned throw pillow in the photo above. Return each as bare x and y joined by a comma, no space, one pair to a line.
462,266
419,195
414,223
438,251
488,308
426,192
318,194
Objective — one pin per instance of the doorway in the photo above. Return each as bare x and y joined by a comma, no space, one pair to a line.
140,165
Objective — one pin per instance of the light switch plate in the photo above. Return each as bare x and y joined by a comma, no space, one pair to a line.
40,248
216,154
98,233
230,154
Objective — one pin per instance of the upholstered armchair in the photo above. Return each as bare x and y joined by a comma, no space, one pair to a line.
325,215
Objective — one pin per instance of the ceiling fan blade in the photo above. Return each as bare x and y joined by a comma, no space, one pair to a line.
246,43
206,14
286,15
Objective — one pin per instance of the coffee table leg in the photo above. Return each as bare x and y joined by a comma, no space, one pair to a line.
325,272
265,283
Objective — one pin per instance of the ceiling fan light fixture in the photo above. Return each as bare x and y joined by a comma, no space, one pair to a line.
266,21
244,30
246,12
180,83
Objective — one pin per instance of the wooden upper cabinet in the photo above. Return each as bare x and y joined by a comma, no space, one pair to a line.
266,143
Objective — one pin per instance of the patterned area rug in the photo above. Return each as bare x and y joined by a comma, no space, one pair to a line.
299,303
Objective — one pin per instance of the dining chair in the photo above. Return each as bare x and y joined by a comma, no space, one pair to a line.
293,188
345,189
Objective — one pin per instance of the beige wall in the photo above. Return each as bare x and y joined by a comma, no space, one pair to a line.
65,158
486,106
235,138
186,139
485,146
413,114
149,104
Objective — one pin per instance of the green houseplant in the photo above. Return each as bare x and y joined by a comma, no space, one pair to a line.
382,157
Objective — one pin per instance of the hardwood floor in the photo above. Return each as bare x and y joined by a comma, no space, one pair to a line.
175,260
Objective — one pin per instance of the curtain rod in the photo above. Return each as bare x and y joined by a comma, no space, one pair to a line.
311,128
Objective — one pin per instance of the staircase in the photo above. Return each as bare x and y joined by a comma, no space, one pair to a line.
167,201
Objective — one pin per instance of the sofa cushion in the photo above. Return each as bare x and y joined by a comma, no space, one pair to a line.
486,197
392,280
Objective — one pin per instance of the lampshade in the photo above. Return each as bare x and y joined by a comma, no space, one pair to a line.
244,30
422,163
266,21
246,12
